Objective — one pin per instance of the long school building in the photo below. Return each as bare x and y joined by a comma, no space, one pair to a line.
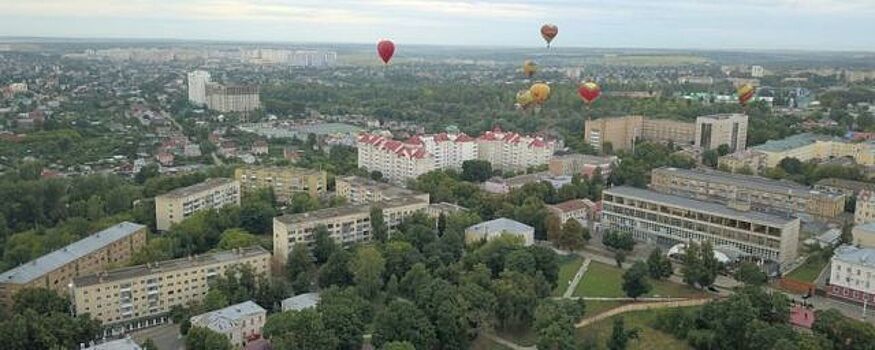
667,220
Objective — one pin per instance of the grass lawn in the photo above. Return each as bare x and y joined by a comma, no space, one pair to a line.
649,338
595,307
522,335
602,280
484,343
808,271
568,266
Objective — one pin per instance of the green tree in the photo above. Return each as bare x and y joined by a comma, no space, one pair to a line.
398,345
750,274
553,227
635,281
300,330
236,238
709,158
335,272
215,299
379,230
346,313
723,150
554,323
367,267
573,236
323,245
41,300
619,240
476,170
843,332
700,265
658,265
620,336
791,165
300,268
199,338
403,321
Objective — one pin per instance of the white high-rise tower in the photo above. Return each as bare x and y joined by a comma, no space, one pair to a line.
197,82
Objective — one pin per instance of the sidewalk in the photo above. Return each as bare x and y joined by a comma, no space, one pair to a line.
577,277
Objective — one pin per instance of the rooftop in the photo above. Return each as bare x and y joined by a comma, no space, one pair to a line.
345,210
500,225
855,186
699,206
283,169
388,190
748,181
120,344
572,205
54,260
722,116
197,188
586,158
854,255
301,302
792,142
169,265
226,319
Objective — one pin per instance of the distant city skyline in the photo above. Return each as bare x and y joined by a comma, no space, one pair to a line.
682,24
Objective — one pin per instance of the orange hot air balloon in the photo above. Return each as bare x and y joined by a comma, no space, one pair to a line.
540,92
529,68
385,48
589,92
745,93
548,32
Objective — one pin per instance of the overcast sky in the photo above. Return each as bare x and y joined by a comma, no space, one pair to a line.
730,24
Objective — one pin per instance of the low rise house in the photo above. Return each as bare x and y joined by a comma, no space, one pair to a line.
301,302
241,323
852,274
492,229
581,210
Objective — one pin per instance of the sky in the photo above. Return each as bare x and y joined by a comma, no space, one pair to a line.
683,24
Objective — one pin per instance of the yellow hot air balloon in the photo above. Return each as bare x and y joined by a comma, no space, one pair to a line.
524,98
745,93
529,68
540,92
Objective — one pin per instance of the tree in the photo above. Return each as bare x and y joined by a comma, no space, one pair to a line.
658,265
843,332
620,336
403,321
700,265
300,268
635,280
573,236
709,158
323,245
619,240
41,300
723,150
376,175
335,272
399,345
215,299
516,296
554,323
149,344
379,230
553,226
476,170
791,165
346,313
200,338
442,223
299,330
236,238
751,274
367,267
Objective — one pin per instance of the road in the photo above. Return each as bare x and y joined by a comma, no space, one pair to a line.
165,337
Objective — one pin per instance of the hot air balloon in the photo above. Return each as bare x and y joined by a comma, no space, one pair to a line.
529,68
589,92
745,93
524,98
540,92
385,48
548,32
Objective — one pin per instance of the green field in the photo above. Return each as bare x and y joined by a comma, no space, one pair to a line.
568,266
602,280
809,271
649,338
521,335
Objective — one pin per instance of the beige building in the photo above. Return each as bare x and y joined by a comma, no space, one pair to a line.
864,212
360,190
668,220
512,151
583,164
759,193
347,224
743,160
621,132
808,146
864,235
579,209
240,323
285,181
140,296
722,129
55,270
232,98
174,206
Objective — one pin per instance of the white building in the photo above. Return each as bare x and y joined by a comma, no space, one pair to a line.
241,323
493,229
197,87
448,149
757,71
301,302
119,344
396,160
512,151
852,274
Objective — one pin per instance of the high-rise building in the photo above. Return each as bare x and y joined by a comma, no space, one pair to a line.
174,206
760,193
232,98
397,161
285,181
668,220
448,149
722,129
55,270
347,224
512,151
360,190
197,87
140,296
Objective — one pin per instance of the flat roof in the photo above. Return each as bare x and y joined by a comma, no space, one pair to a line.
196,188
119,344
723,116
692,204
791,142
282,169
345,210
388,190
225,319
500,225
586,158
301,302
749,181
847,184
854,255
169,265
52,261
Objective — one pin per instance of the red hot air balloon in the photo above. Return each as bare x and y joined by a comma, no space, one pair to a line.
548,32
589,92
385,48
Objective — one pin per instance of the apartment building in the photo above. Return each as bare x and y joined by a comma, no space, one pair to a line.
761,194
174,206
240,323
361,190
232,98
396,160
197,85
852,274
346,225
864,212
135,297
621,132
510,151
583,164
748,159
448,149
722,129
809,146
849,188
55,270
668,220
284,180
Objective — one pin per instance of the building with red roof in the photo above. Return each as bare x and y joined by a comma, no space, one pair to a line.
513,151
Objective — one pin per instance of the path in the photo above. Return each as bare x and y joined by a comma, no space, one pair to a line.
640,307
577,277
509,343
